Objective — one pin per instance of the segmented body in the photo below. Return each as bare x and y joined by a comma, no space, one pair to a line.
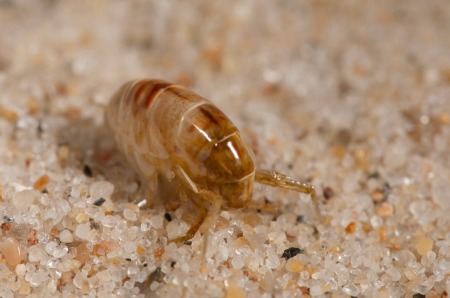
169,130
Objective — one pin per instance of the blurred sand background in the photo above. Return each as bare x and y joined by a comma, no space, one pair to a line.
352,96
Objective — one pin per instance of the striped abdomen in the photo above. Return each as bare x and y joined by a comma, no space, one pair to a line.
165,127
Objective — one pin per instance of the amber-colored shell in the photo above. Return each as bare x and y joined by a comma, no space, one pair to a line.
169,130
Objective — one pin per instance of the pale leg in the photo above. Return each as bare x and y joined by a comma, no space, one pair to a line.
209,206
152,185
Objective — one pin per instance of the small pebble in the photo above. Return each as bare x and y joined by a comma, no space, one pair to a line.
168,217
109,221
300,219
272,261
176,229
66,277
385,209
294,265
82,253
156,221
6,226
8,114
377,195
32,237
129,246
34,253
424,245
315,291
21,270
24,289
99,202
82,231
87,171
82,217
233,291
50,247
129,215
394,273
41,183
382,234
328,193
101,189
105,247
65,236
63,154
10,249
23,199
351,228
291,252
237,262
140,250
104,275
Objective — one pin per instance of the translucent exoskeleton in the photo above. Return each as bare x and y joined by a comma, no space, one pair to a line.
170,132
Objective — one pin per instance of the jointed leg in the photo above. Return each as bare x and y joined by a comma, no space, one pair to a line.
193,229
149,200
215,204
209,206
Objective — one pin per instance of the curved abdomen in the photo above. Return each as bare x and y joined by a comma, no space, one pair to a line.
157,124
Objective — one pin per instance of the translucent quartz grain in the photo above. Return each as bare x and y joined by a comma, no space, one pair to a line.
20,270
130,247
304,275
128,234
110,221
34,253
82,231
65,236
53,263
7,294
38,278
237,262
50,247
78,280
342,275
315,291
24,198
133,270
272,261
101,189
56,250
175,228
60,251
351,290
82,217
428,259
422,211
104,275
394,274
129,214
145,225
